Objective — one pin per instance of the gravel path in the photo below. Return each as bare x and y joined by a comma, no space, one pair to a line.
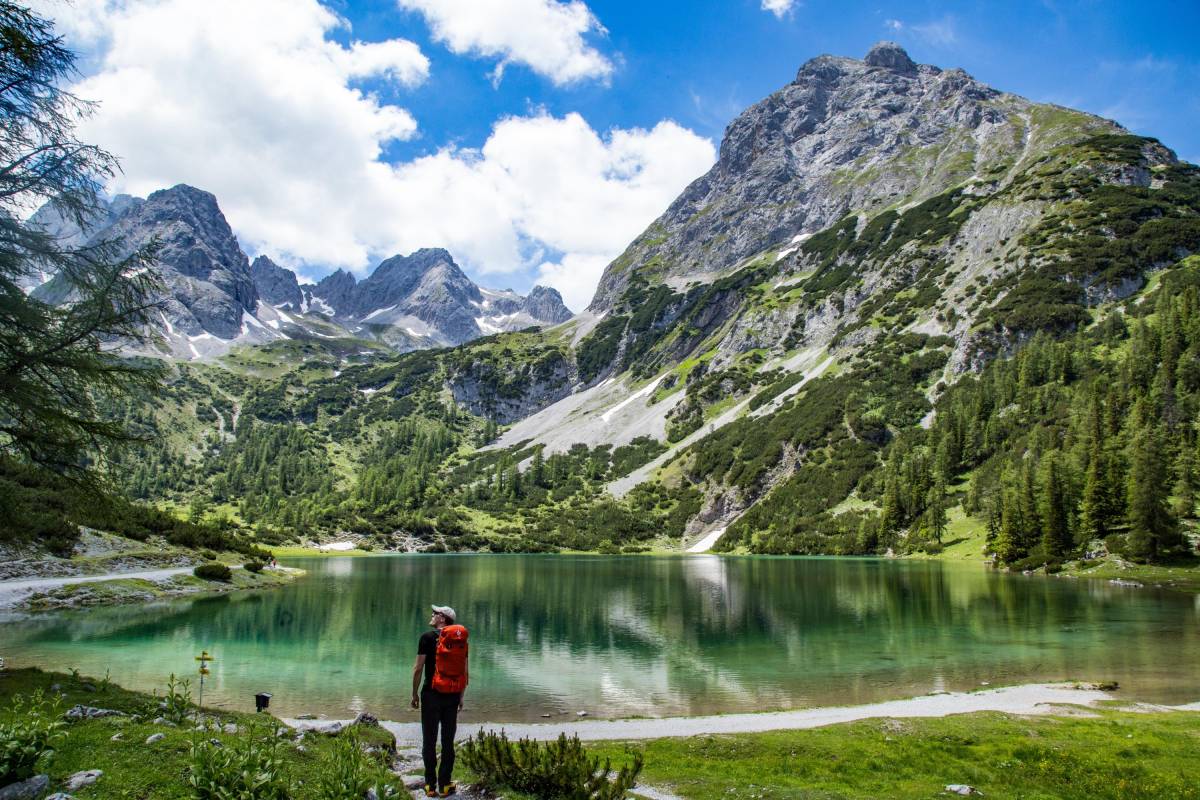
1027,699
12,592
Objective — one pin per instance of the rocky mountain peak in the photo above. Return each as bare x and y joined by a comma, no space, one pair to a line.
276,285
890,55
847,136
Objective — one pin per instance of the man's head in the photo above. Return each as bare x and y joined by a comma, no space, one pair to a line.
441,617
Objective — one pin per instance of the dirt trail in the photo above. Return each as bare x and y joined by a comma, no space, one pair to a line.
1027,699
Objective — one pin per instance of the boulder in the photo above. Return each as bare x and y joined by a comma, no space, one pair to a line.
81,779
155,737
30,789
90,712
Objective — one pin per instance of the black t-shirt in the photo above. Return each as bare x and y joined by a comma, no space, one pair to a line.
427,646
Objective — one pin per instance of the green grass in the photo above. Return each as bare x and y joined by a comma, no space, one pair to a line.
1184,576
1114,755
138,590
133,769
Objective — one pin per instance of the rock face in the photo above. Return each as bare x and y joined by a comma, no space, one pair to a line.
213,297
276,285
426,295
845,136
206,274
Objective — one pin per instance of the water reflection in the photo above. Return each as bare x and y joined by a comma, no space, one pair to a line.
634,635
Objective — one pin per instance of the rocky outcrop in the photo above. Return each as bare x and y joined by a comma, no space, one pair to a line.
276,285
845,136
427,295
205,273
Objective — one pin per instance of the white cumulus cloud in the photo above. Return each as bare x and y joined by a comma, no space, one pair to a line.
545,35
254,103
779,8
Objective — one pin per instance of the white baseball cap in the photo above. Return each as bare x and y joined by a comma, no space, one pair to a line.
445,611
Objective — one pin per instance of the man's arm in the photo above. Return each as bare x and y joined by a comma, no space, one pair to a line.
467,675
418,670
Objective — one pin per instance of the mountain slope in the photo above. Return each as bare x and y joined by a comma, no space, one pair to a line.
877,233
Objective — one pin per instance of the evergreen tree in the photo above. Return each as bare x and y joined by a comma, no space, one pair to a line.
1055,512
1152,529
55,373
1185,482
935,509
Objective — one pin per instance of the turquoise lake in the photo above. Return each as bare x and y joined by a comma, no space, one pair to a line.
634,635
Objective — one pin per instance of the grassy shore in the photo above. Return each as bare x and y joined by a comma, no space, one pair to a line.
1107,754
140,590
134,769
1093,754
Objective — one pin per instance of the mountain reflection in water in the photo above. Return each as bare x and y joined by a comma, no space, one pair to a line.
623,636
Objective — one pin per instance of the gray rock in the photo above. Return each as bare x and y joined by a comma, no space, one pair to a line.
155,737
116,737
82,779
79,712
229,727
275,284
366,718
30,789
844,136
60,796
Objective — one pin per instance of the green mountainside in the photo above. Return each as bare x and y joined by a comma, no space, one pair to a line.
1001,317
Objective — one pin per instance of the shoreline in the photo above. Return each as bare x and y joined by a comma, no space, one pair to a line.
138,586
1035,699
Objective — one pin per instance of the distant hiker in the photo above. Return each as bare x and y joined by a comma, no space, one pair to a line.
442,659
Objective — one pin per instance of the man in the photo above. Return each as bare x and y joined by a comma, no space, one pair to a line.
438,708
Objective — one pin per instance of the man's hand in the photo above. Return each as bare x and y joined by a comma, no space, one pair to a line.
460,702
416,701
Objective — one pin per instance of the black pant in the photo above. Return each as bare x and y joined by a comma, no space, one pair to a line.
438,709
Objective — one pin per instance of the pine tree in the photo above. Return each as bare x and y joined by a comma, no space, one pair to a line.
1185,482
1056,527
1152,529
935,509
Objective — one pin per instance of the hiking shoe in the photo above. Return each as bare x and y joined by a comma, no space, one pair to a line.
430,791
449,789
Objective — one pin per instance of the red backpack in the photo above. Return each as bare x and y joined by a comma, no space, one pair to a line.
450,666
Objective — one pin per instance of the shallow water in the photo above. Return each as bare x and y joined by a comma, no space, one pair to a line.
635,636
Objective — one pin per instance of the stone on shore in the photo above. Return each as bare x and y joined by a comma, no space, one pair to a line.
81,779
30,789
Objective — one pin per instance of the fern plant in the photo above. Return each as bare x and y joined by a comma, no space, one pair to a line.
560,770
28,737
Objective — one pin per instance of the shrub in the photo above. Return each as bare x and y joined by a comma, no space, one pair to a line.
548,770
347,775
208,555
254,566
249,769
28,737
213,571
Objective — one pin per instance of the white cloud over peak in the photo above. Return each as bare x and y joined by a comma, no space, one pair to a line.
780,8
254,103
545,35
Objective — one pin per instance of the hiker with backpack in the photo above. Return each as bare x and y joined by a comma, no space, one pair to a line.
442,661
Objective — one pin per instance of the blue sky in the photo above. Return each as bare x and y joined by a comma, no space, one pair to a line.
535,138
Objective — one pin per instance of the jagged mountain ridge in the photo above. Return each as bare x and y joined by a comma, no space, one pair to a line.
213,297
762,396
845,136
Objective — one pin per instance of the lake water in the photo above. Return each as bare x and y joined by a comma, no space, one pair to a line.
635,636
